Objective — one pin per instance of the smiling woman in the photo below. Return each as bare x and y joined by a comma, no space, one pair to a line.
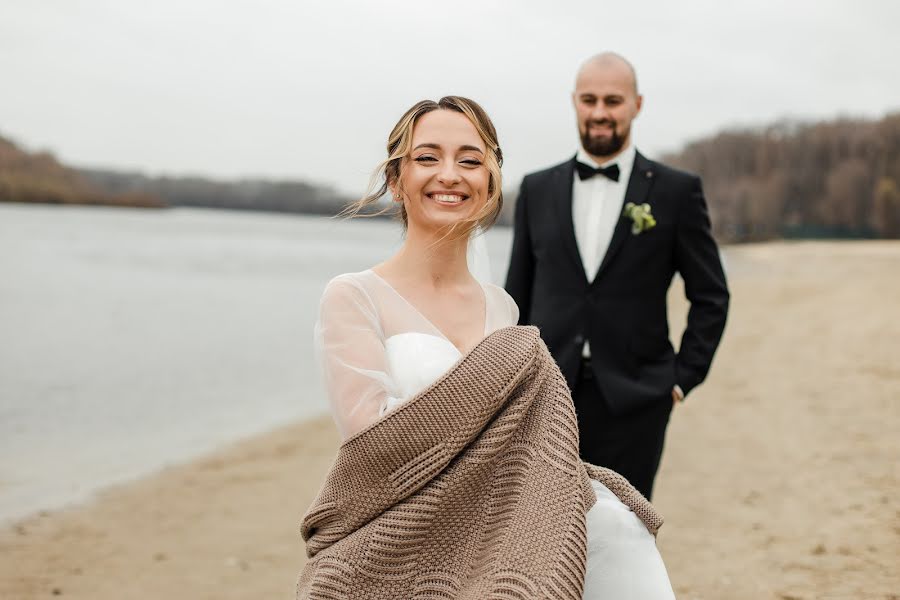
443,185
443,171
437,135
459,468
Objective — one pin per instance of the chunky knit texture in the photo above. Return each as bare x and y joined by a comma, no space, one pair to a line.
472,489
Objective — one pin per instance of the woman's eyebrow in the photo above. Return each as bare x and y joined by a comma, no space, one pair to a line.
438,147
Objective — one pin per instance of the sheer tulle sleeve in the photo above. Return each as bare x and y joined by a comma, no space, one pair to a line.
502,310
513,309
350,345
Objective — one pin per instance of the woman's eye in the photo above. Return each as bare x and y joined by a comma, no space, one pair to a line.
471,162
425,159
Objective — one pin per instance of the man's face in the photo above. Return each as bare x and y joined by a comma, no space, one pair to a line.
606,103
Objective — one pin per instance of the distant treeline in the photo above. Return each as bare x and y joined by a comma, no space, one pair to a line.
829,179
39,177
244,194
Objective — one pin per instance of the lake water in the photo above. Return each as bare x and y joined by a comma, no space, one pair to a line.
131,339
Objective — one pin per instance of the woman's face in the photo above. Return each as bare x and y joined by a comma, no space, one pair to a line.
444,179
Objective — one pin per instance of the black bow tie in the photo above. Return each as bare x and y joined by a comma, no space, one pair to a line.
586,171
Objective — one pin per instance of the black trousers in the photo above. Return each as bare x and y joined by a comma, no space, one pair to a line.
630,444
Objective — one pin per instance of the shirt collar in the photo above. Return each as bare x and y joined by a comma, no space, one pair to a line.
625,160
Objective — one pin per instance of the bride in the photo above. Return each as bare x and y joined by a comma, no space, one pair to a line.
458,476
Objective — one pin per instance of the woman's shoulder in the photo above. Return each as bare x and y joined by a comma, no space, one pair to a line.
349,288
500,297
497,291
348,282
350,301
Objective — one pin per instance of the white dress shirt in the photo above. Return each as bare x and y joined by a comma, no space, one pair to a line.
596,208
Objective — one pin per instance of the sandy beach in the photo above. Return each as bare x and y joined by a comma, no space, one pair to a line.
780,479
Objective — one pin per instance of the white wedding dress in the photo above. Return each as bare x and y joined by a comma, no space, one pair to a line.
377,351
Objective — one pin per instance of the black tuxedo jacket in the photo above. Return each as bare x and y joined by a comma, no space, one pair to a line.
622,312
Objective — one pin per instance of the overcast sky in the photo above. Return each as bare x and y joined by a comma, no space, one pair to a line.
311,89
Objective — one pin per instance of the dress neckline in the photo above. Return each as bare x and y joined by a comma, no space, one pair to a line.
427,320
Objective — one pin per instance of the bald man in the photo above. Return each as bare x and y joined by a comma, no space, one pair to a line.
597,241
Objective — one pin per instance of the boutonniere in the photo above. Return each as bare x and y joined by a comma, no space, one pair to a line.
641,217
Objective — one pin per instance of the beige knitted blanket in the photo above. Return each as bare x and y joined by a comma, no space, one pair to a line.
472,489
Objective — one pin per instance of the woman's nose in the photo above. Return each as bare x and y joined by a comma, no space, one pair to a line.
449,173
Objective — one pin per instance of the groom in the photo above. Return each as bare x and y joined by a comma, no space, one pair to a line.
597,240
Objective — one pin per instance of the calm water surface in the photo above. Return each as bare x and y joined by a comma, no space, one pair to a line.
133,339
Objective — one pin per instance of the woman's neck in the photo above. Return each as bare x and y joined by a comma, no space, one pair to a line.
426,257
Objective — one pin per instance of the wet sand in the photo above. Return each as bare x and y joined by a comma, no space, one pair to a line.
781,476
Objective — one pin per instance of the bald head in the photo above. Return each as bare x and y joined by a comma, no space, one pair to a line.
606,101
608,62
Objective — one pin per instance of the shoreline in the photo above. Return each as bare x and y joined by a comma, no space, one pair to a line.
151,529
779,478
63,502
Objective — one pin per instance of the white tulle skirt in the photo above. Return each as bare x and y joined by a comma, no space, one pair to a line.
623,562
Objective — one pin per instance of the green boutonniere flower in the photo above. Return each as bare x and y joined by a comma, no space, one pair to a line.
641,218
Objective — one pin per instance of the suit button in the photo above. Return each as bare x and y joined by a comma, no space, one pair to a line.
579,340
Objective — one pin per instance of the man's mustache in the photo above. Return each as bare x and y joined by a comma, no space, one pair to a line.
602,122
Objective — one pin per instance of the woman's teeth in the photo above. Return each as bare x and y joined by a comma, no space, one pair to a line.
448,198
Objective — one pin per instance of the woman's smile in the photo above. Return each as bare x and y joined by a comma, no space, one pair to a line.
448,198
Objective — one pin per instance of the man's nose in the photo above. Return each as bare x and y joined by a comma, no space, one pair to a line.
599,112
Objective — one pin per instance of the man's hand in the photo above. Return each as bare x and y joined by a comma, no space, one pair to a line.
677,395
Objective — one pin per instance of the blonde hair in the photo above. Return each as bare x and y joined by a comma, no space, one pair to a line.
399,145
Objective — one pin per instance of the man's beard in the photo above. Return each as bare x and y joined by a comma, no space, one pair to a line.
603,146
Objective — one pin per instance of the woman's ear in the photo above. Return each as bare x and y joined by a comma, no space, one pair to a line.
395,192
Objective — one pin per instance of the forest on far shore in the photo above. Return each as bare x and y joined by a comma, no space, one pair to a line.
837,178
828,179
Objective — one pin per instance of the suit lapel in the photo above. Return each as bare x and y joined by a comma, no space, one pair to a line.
638,188
562,189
